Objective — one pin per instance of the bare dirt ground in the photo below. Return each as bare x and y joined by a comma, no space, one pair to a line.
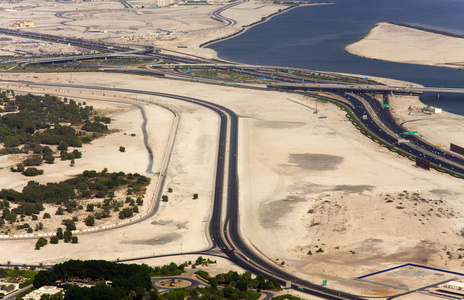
406,45
15,46
306,183
316,196
187,26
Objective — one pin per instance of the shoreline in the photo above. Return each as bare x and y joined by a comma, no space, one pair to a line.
245,28
403,43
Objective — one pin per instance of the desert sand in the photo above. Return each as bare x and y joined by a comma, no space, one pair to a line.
407,45
306,183
186,26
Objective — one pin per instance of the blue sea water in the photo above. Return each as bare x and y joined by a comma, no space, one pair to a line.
314,37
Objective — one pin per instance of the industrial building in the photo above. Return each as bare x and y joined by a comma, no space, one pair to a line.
23,24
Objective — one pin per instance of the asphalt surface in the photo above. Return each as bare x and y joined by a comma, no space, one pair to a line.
193,282
230,242
224,233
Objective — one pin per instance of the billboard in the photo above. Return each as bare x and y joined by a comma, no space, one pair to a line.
457,149
420,162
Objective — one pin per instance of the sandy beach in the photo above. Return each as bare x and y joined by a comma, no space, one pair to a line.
407,45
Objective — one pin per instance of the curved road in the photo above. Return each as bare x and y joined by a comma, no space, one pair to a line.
226,235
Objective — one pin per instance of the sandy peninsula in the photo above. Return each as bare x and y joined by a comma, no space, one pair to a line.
407,45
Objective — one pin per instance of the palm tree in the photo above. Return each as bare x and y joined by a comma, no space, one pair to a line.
8,263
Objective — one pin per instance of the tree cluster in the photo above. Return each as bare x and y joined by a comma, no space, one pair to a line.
242,282
66,235
126,280
36,120
89,184
169,270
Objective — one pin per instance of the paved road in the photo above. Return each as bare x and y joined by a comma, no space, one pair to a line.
225,233
193,282
14,294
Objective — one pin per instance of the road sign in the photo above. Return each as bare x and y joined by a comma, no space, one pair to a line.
386,105
324,282
410,132
366,78
289,71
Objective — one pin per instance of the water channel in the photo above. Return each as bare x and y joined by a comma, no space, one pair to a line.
314,37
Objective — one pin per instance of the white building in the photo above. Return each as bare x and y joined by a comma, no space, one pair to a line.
454,285
46,289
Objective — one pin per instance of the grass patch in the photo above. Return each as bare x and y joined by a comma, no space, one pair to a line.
25,273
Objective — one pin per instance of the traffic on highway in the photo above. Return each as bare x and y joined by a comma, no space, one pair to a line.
374,115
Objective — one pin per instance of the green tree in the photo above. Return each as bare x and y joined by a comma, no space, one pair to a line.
89,221
63,146
54,240
67,236
70,224
59,233
40,243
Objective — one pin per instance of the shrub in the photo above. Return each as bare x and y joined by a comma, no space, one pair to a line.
40,243
126,213
122,149
70,225
35,160
63,146
90,207
32,172
54,240
106,120
89,221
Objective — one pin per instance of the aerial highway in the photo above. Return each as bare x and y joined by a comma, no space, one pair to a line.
224,229
225,232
